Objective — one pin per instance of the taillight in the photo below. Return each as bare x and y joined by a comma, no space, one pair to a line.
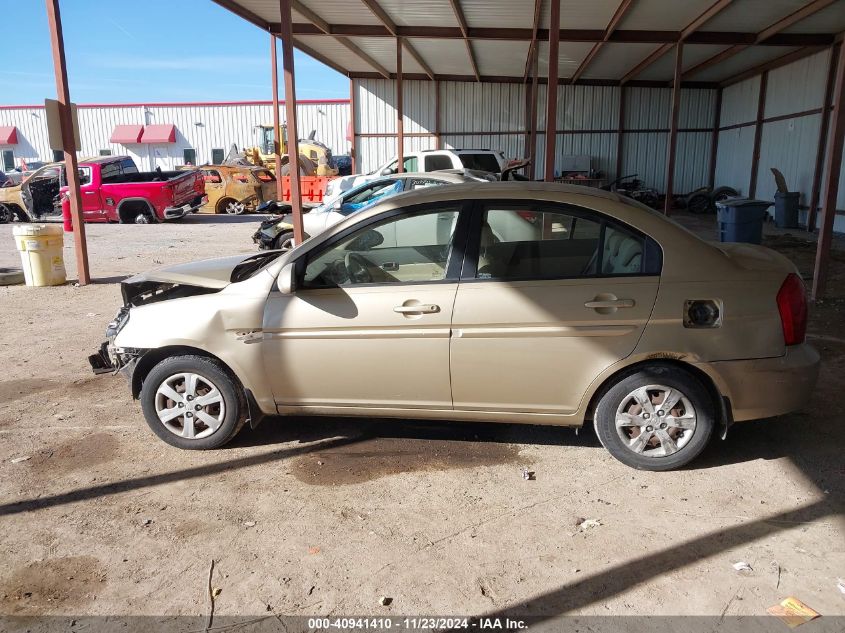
792,305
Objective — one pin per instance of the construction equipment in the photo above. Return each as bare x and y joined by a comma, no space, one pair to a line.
312,151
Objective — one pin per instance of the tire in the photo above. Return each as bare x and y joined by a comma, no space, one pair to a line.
699,203
230,206
620,402
723,193
6,214
284,241
143,218
228,409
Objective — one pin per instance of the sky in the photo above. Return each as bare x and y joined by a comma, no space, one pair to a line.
129,51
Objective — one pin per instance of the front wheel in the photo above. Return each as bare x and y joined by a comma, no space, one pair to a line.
193,402
657,418
284,241
6,214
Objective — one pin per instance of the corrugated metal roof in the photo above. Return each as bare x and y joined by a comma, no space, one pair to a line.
663,69
503,54
614,60
660,15
752,16
419,13
750,58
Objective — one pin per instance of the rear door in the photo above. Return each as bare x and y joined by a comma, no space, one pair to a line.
214,187
550,296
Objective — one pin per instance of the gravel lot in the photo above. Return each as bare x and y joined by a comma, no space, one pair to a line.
325,516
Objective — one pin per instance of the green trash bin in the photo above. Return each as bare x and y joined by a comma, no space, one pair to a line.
741,220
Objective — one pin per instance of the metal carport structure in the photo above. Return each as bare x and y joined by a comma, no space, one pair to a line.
648,44
633,46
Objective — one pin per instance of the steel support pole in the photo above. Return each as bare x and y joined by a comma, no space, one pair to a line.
437,135
400,126
277,155
353,126
551,91
758,134
714,140
833,165
57,42
290,115
532,121
822,144
620,134
672,144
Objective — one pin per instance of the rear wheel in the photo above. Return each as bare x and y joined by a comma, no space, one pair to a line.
657,418
193,402
231,206
6,214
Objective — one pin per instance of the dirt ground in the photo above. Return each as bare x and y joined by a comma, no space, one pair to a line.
326,516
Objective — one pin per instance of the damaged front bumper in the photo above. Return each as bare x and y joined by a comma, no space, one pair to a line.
269,230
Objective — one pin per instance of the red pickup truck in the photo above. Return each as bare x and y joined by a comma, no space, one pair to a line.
113,190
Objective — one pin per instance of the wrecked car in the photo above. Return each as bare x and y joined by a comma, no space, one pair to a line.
277,232
520,302
35,197
236,189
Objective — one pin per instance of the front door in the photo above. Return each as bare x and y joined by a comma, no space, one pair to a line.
551,297
369,322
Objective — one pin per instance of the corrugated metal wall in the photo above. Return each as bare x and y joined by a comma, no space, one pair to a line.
789,143
493,116
199,127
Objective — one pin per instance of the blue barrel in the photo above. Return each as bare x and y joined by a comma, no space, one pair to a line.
741,220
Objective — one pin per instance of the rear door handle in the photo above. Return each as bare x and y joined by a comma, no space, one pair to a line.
424,308
614,303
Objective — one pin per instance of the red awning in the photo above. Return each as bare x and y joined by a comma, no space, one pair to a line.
8,135
165,133
126,134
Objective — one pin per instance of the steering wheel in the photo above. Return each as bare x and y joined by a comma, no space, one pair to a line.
357,268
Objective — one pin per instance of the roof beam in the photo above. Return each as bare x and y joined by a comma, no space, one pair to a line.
312,17
363,56
244,13
766,35
538,6
499,79
391,26
462,24
320,57
566,35
686,33
621,10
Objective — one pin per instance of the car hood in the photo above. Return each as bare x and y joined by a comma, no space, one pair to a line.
206,273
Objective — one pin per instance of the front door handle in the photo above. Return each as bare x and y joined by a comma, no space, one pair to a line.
423,308
611,303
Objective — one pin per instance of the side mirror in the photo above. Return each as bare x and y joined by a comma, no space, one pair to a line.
287,279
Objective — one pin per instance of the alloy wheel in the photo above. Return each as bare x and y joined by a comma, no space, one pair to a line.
190,405
655,421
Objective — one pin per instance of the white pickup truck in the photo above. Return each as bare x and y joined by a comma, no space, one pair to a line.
424,161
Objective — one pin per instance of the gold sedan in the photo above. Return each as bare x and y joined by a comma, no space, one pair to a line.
508,302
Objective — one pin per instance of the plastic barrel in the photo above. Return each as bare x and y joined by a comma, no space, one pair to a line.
741,220
40,246
786,209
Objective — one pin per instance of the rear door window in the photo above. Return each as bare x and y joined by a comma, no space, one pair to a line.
482,162
436,162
